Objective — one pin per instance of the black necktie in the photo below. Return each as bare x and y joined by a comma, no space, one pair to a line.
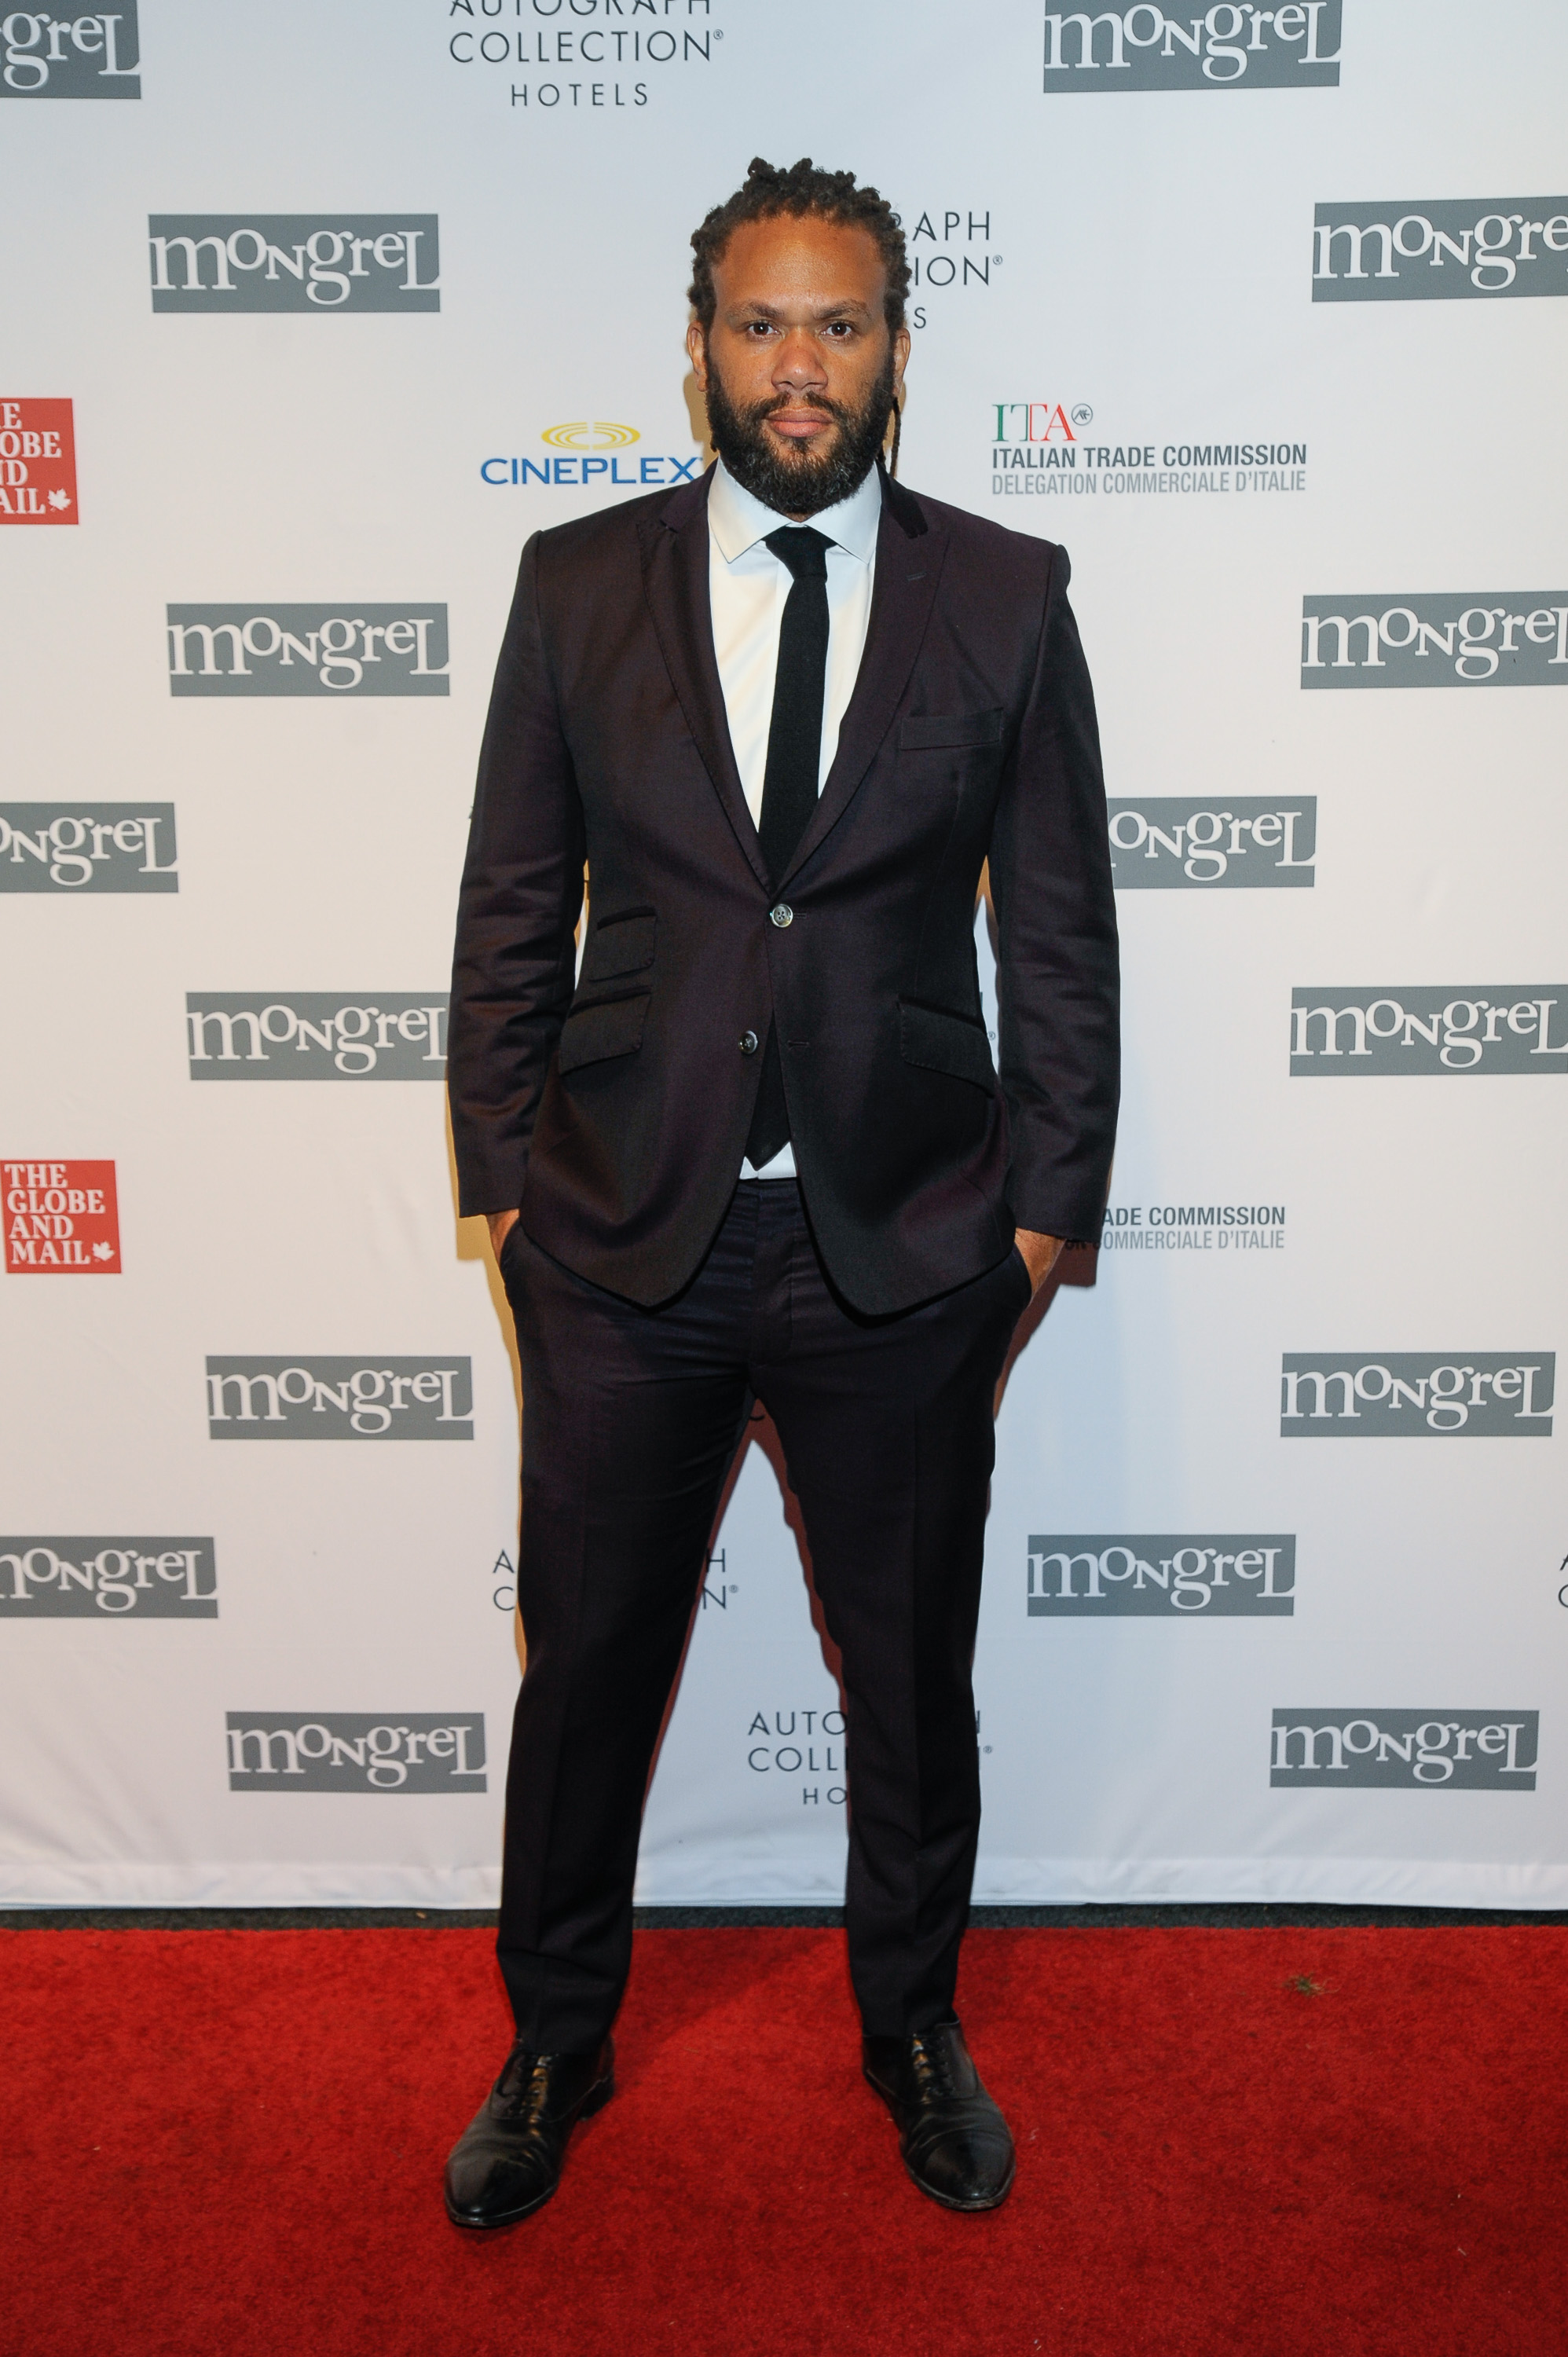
790,780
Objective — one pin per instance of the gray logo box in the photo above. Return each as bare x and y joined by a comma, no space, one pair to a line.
1420,637
45,56
346,649
1141,1575
1341,1031
88,847
339,1399
1174,843
356,1752
1437,250
319,262
316,1035
1417,1395
83,1579
1381,1751
1227,47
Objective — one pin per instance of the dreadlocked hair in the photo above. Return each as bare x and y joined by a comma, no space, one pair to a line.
803,189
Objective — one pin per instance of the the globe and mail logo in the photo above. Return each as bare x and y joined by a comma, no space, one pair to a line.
1137,1574
1447,249
1341,1031
45,56
353,648
117,1578
1387,1750
1470,638
1417,1394
314,263
88,847
316,1035
339,1399
1178,843
356,1752
1224,48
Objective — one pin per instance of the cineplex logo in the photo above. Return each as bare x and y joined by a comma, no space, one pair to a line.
1228,47
80,1579
38,462
355,1751
1456,249
70,56
1142,1577
1387,639
1415,1395
307,650
1172,844
61,1219
1457,1751
339,1399
316,1035
294,262
1339,1032
88,847
592,446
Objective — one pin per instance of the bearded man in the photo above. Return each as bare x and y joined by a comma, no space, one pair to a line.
756,1147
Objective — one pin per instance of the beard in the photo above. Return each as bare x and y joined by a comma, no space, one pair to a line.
793,480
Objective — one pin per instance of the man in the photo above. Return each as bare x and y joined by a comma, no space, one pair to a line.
759,1148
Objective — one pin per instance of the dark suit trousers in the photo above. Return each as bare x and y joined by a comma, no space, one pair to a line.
631,1421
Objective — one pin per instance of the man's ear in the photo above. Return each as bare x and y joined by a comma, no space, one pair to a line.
697,353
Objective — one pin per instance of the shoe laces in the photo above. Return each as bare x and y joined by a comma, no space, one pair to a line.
931,2063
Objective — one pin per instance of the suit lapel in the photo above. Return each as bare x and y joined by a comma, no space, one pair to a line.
910,552
675,579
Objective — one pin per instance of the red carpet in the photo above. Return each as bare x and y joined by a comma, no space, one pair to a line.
1269,2142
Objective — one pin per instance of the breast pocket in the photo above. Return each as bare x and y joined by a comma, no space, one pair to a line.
931,732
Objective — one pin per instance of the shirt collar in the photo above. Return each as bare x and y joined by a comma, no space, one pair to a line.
738,520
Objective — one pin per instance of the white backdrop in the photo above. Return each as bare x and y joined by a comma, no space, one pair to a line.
1117,344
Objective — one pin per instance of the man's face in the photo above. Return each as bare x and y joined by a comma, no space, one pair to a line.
798,368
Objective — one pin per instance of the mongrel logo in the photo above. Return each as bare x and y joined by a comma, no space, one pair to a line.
316,263
1430,639
82,1579
1176,843
1453,1750
316,1035
1455,249
1341,1032
1138,1576
1226,47
88,847
1413,1395
70,56
339,1399
356,1752
586,439
307,650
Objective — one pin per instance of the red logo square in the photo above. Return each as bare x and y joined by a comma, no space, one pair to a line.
61,1219
38,462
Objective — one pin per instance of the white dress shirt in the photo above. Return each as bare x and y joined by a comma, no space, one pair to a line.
747,586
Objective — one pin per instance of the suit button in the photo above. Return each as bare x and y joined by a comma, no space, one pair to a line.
748,1043
782,915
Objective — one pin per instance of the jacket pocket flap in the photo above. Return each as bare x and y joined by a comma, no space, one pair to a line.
620,945
593,1034
940,1043
928,730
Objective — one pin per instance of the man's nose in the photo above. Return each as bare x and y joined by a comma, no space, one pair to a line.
798,364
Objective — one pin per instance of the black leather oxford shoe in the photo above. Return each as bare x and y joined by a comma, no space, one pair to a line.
508,2159
955,2143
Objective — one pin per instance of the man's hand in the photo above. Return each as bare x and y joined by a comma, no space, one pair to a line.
1040,1253
501,1225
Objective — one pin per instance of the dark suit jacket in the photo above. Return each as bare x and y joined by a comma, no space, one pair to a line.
615,1112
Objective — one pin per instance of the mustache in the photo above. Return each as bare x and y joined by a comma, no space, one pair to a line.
838,410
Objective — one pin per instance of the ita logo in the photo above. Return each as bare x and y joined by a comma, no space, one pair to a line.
37,461
63,1218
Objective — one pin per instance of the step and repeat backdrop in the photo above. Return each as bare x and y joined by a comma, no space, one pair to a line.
312,316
